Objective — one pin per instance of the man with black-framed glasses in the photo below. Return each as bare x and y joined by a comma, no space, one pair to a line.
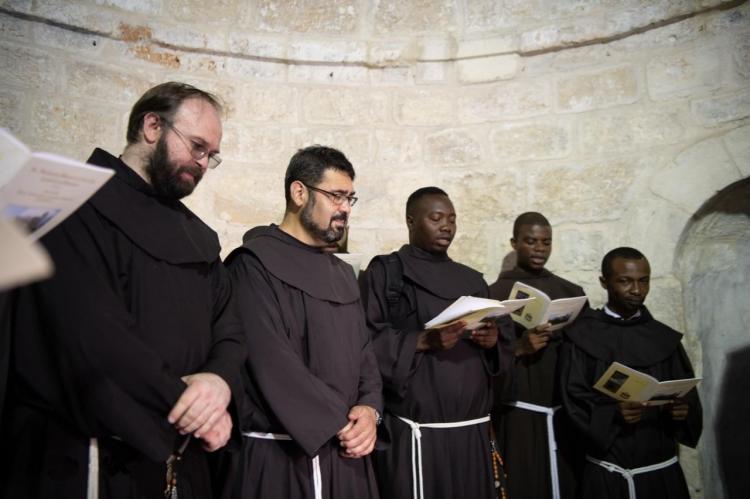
123,360
313,390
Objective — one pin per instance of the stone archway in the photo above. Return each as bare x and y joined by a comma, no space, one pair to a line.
713,263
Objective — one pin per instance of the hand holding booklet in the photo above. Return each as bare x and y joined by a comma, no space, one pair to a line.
559,313
39,190
625,384
474,311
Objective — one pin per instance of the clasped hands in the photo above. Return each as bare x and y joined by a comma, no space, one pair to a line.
201,410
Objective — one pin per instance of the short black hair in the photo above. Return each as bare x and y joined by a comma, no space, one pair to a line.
420,193
529,218
309,164
164,100
621,252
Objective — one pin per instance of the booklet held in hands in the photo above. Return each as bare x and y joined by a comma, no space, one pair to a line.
39,190
559,313
474,311
628,385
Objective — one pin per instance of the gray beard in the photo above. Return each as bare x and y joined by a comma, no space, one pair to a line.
329,234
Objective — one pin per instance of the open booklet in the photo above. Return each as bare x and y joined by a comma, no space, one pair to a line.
474,311
39,190
623,383
559,313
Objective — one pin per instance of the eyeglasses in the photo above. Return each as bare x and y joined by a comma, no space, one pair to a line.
197,150
337,198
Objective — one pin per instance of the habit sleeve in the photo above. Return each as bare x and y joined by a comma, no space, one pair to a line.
310,411
395,349
594,414
105,369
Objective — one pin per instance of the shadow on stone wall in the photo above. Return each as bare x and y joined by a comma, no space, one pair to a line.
732,426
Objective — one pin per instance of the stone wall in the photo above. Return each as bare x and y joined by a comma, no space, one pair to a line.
615,118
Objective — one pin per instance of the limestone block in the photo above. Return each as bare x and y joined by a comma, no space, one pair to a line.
591,192
433,72
388,52
396,16
248,195
484,196
633,129
201,12
345,107
11,108
737,143
242,42
654,226
604,88
78,14
356,144
108,83
75,128
697,174
564,8
471,246
13,29
741,57
579,248
436,48
28,68
534,140
277,104
370,243
254,144
185,36
392,76
328,51
487,46
84,46
722,109
383,193
305,16
149,7
397,148
485,69
503,101
248,69
304,73
424,107
453,147
684,74
26,6
490,15
664,301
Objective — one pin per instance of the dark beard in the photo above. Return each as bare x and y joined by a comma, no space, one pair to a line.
165,176
329,235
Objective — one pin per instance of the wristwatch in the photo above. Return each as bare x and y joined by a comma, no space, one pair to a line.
378,417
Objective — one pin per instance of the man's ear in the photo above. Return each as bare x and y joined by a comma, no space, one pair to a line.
513,242
603,282
153,127
409,222
298,193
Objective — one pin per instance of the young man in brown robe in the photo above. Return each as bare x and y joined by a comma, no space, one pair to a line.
313,391
631,448
526,399
130,347
437,381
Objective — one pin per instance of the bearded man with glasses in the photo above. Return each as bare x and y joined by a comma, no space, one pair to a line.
122,362
313,395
